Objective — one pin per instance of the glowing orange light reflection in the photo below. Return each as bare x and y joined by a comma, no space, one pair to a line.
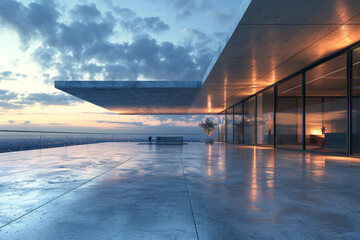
270,171
221,165
273,72
209,160
344,16
342,159
254,184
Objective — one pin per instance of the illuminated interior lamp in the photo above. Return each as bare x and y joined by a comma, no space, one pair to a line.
316,132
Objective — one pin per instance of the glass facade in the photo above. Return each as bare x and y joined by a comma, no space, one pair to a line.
230,125
356,102
265,117
318,110
326,106
249,121
289,113
238,124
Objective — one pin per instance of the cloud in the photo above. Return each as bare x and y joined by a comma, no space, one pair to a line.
9,75
132,23
27,122
201,40
74,37
20,75
6,95
204,45
143,58
29,20
85,12
5,74
49,99
222,17
187,7
194,34
12,100
137,124
6,105
83,47
152,24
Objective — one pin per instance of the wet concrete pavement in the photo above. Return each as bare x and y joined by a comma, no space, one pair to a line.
219,191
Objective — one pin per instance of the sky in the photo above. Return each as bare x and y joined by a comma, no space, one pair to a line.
44,41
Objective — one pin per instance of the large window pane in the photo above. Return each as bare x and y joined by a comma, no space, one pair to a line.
238,124
356,102
229,125
249,121
289,114
221,125
326,106
265,117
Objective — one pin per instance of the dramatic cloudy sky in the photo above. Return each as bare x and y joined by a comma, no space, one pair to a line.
43,41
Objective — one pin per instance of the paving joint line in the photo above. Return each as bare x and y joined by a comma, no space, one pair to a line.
189,198
97,176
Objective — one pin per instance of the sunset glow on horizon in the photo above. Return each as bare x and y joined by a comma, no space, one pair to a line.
45,41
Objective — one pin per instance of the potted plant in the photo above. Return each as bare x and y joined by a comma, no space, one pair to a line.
208,127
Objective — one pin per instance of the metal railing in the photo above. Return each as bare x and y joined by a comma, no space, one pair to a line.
14,140
20,140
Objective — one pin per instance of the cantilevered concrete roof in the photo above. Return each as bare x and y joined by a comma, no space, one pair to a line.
271,40
136,97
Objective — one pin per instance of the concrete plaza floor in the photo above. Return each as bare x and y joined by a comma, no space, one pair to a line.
219,191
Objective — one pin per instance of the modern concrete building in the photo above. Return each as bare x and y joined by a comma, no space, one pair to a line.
287,76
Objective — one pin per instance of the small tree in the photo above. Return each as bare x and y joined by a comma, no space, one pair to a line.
208,127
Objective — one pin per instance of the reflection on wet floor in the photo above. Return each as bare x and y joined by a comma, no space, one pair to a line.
130,191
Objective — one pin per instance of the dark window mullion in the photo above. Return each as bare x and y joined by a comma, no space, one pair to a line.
349,103
303,111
